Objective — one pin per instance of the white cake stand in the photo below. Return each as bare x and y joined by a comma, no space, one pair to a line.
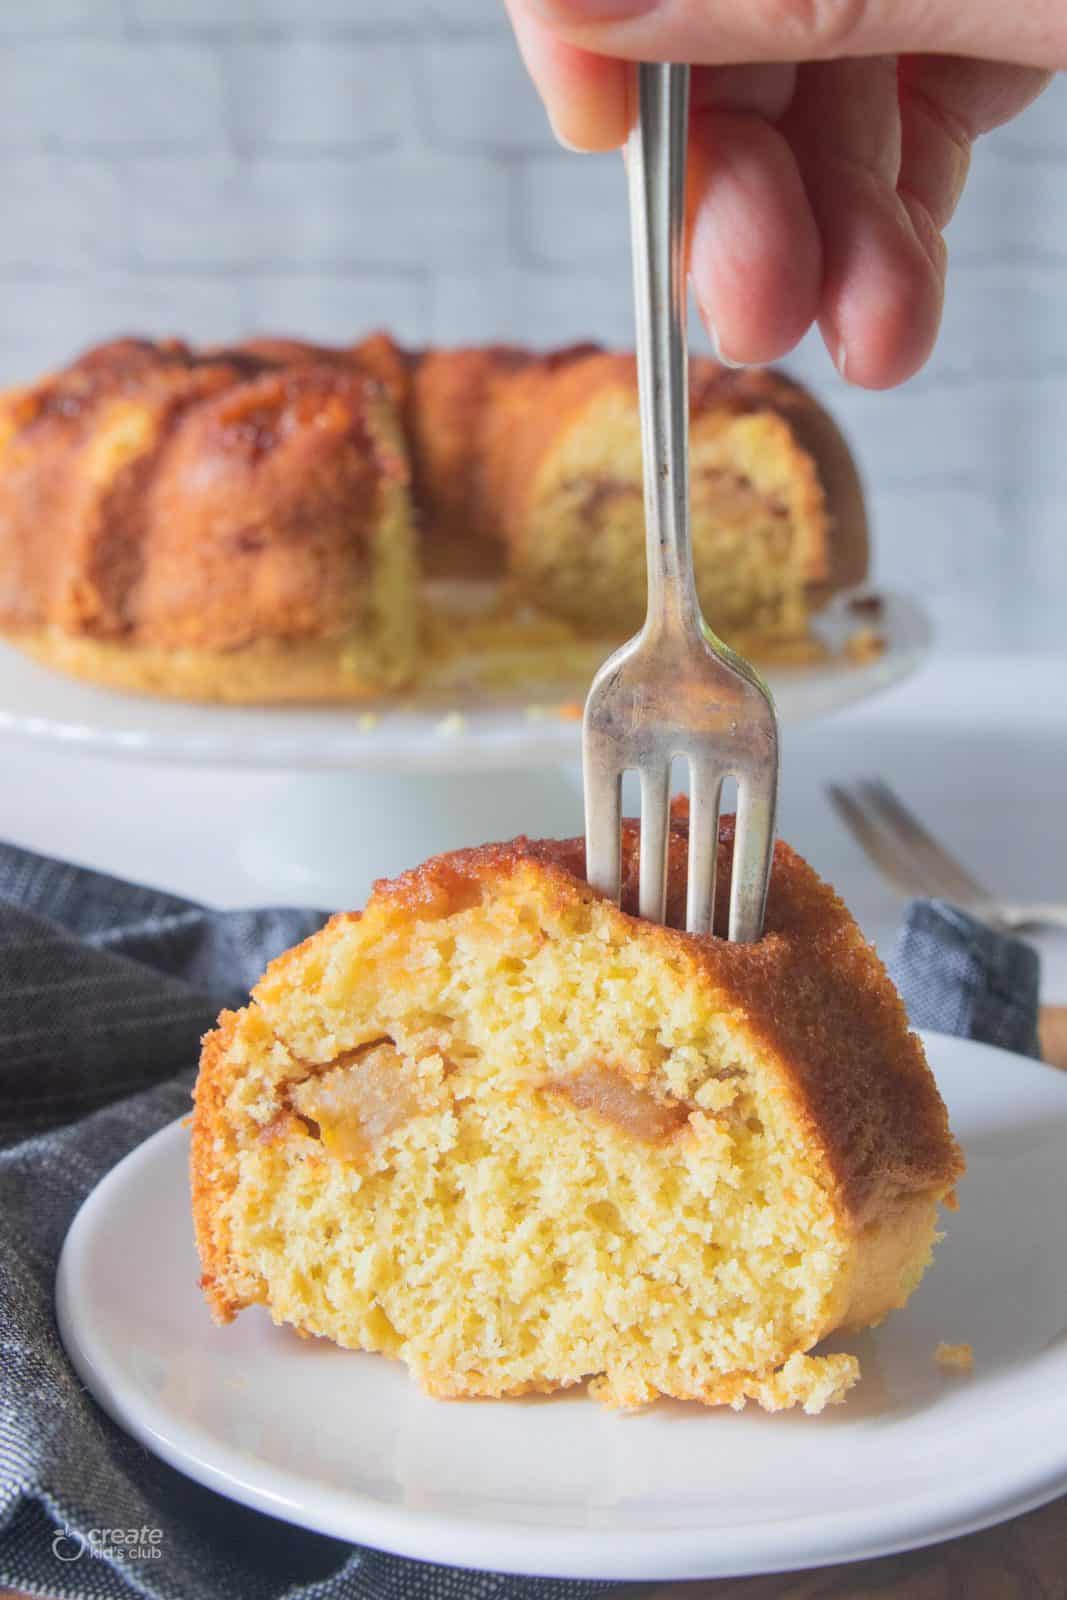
371,792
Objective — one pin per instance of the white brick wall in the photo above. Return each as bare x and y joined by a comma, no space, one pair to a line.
161,17
105,94
63,312
308,94
591,194
60,212
211,167
58,16
377,210
479,96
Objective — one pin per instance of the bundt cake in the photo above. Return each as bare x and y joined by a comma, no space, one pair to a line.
505,1131
280,521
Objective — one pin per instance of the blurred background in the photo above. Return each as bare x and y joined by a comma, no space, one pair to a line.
214,167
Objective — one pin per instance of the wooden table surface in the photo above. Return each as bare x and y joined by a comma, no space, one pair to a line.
1025,1559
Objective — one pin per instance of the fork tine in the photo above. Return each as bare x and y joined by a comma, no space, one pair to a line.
939,870
705,794
603,824
753,845
655,814
851,809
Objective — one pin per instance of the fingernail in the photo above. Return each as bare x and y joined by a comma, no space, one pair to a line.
841,359
594,10
716,345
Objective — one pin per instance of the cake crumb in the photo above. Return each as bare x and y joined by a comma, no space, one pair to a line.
864,645
959,1357
569,711
367,720
812,1382
455,722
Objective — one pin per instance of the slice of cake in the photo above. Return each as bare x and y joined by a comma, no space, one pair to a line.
520,1139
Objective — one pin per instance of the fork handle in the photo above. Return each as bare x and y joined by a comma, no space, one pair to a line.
656,154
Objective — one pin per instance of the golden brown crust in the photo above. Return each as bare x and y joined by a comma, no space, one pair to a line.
811,990
201,504
258,518
454,392
212,1170
69,529
379,356
275,350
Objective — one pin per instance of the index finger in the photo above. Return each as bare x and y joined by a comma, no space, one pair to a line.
720,32
587,96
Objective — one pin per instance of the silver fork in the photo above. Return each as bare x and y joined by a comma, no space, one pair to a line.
916,864
674,689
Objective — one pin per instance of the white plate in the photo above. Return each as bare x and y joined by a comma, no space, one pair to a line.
498,732
346,1443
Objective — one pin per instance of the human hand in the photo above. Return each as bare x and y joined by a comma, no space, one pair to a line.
817,192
